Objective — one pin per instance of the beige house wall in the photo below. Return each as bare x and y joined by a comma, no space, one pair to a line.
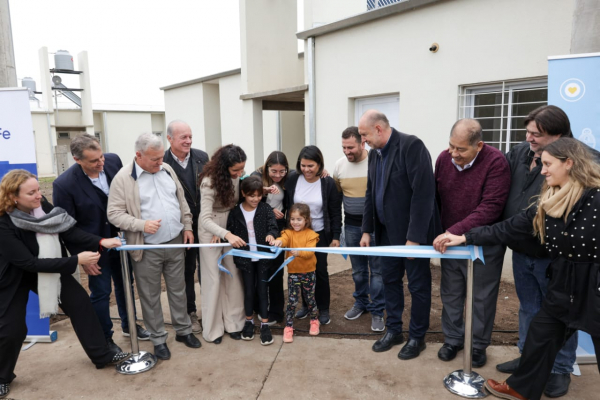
187,103
319,12
123,129
43,146
231,111
391,56
269,51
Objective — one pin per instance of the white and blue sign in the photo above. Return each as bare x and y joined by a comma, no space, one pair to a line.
574,86
17,144
17,151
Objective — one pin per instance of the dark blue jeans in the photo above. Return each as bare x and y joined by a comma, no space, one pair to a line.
419,285
366,273
531,284
100,287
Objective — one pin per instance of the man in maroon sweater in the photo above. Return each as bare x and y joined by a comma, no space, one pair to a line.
472,182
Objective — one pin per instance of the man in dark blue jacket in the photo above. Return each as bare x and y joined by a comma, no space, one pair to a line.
82,190
400,209
187,163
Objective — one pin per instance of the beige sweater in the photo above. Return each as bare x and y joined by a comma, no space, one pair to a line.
124,209
209,206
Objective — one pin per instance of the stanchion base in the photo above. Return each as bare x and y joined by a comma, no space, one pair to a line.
137,363
469,386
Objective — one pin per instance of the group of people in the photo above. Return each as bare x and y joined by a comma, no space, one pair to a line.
528,200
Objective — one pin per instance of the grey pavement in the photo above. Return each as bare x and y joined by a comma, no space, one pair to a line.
309,368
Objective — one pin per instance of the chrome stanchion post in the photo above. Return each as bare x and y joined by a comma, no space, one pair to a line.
139,361
464,382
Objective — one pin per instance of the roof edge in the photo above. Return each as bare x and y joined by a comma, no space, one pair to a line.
364,17
203,79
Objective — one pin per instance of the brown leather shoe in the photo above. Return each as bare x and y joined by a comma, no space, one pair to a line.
502,390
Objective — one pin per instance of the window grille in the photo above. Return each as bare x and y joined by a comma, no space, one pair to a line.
501,109
373,4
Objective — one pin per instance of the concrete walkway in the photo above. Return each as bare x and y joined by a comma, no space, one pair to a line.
309,368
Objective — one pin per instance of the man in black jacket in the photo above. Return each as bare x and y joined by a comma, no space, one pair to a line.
187,164
544,125
82,191
400,209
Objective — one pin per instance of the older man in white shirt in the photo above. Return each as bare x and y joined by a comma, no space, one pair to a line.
147,202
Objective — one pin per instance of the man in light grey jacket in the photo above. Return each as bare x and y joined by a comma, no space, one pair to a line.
147,201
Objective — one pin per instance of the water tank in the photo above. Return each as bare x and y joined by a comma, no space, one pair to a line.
29,83
63,60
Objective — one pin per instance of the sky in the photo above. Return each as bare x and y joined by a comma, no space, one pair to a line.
134,46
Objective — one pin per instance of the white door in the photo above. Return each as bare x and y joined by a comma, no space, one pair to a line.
389,105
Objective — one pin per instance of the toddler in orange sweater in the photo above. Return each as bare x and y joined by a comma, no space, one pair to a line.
301,270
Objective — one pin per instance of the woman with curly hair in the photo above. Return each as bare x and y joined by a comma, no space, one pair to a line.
222,296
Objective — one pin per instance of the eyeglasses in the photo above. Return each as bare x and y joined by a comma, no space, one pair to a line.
283,172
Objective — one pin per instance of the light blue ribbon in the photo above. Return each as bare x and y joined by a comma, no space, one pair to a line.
457,252
261,255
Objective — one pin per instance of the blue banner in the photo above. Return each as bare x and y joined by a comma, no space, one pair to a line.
574,86
17,151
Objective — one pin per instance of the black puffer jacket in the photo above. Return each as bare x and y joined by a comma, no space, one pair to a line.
574,288
264,225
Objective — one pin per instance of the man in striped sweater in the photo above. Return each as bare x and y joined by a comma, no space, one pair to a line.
350,176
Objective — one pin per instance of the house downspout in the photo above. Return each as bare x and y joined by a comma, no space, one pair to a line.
52,156
105,132
312,125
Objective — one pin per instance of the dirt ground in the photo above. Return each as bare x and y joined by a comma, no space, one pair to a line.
342,287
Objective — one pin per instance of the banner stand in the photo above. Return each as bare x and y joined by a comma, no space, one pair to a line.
38,329
466,382
574,86
17,151
139,361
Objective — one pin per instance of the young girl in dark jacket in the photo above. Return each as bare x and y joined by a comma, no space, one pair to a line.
274,173
254,222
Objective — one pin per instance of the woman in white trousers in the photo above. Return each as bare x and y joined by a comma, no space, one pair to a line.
222,295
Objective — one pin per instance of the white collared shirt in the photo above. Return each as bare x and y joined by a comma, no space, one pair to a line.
183,163
158,200
100,182
467,166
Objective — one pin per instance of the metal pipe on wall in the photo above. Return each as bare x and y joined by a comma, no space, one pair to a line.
312,107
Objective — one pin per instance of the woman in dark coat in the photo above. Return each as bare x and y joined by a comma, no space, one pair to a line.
325,203
567,221
32,236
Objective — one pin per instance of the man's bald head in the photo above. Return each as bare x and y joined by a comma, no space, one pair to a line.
467,128
465,141
374,128
373,117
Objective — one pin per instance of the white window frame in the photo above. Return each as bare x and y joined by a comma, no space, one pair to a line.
507,88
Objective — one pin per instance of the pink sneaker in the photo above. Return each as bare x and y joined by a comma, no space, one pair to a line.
288,334
314,327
